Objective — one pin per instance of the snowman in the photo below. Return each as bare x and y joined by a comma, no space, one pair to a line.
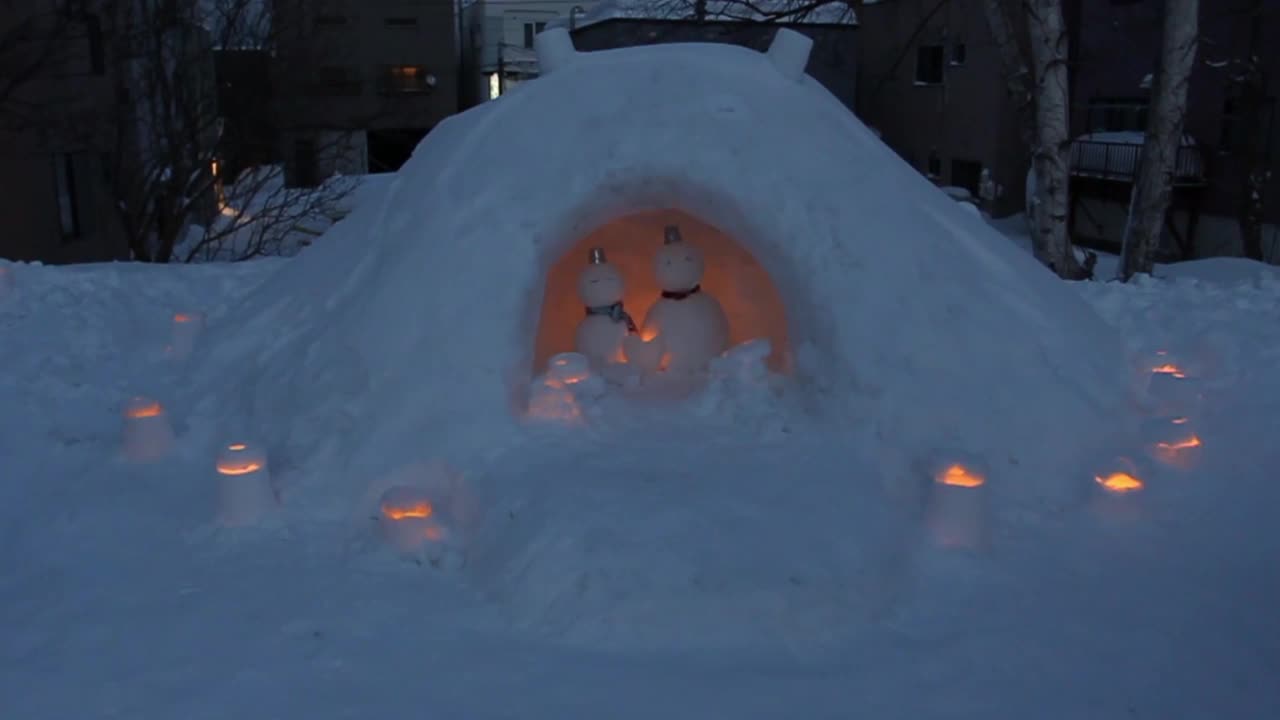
601,332
691,323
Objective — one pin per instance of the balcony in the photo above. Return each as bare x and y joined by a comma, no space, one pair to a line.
1115,155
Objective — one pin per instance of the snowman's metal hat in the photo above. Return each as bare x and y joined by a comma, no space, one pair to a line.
596,256
672,235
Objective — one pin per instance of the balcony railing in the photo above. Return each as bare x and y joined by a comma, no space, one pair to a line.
1118,160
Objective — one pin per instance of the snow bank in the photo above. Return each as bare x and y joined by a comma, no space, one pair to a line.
409,332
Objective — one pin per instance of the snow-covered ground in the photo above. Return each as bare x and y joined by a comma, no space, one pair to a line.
639,578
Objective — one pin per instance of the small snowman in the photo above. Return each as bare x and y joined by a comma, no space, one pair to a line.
601,332
692,324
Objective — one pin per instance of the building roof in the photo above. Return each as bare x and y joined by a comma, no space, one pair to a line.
808,12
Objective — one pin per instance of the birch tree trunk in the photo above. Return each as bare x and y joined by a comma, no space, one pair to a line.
1157,164
1050,240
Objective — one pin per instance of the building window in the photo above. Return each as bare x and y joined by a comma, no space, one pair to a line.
338,80
64,179
305,166
966,174
531,29
959,53
929,65
400,79
401,22
935,164
1117,115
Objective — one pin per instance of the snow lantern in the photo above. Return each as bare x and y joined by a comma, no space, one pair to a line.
410,518
1173,441
956,512
187,327
244,484
569,368
551,400
568,384
148,435
1172,390
1117,489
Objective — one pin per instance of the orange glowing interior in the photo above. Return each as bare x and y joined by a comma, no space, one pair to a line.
420,509
181,318
1168,369
1184,444
237,447
434,533
145,411
959,476
733,276
238,468
1119,482
1180,421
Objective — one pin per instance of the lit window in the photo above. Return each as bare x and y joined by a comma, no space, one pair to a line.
64,179
395,79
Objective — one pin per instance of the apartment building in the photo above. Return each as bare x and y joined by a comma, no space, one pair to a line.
358,83
55,153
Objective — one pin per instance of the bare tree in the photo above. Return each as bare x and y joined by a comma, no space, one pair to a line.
1158,161
34,44
1037,77
166,178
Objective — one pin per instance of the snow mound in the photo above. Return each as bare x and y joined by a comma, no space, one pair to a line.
408,333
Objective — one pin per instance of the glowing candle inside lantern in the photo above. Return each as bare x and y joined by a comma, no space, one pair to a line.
1119,483
409,518
956,512
148,435
959,476
1117,491
645,351
245,493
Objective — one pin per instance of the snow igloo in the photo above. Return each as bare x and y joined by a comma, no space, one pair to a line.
421,318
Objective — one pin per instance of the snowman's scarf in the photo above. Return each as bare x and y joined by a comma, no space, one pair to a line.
614,313
680,294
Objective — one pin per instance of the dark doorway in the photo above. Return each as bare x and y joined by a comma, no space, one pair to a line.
966,174
389,149
306,172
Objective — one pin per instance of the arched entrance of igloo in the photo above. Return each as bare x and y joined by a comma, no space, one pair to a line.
733,276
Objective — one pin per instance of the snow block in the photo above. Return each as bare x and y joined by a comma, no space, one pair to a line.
789,53
554,48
